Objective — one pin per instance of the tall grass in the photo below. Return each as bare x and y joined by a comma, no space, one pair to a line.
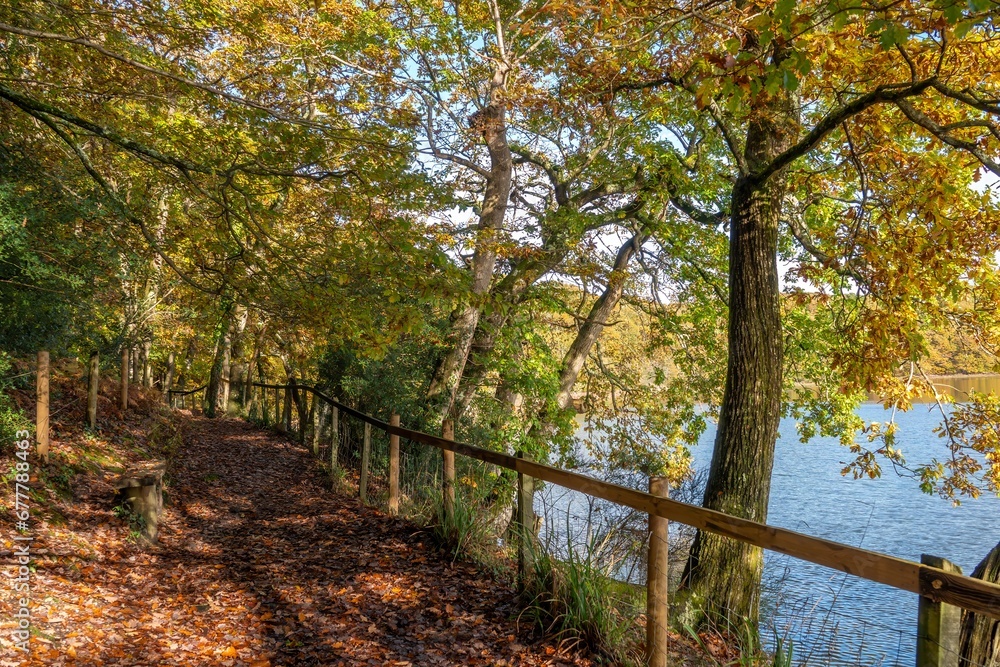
578,600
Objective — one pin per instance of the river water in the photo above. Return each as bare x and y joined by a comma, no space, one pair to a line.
834,618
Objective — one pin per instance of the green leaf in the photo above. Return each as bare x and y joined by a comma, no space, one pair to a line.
893,35
789,80
963,27
783,11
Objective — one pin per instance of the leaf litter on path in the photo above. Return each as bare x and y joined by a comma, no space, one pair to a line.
260,564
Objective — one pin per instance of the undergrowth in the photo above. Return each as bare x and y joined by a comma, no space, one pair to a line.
136,522
147,431
577,600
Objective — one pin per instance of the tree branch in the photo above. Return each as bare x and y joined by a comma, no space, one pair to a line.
923,120
35,107
883,94
123,207
35,34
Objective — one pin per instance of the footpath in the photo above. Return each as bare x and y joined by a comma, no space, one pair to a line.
259,564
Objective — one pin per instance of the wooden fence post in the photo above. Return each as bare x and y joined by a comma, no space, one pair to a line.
286,420
448,478
93,382
393,467
366,453
124,380
316,417
42,406
525,523
938,624
657,605
334,438
277,409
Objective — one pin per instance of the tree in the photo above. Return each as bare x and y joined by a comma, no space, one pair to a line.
803,97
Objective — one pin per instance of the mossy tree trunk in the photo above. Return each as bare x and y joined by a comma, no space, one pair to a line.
723,576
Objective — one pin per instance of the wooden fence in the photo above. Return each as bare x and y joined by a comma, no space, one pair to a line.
174,394
939,588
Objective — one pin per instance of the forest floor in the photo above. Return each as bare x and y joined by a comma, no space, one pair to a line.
258,563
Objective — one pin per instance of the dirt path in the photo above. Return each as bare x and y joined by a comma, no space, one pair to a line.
260,564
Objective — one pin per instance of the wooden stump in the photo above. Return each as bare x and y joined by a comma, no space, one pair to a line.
142,486
979,638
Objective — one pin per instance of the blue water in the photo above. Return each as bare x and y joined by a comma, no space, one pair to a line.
833,618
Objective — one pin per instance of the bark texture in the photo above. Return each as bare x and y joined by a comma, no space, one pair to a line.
722,577
168,381
596,320
508,293
980,635
491,123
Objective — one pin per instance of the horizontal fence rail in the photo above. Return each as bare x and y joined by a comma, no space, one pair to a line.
976,595
183,392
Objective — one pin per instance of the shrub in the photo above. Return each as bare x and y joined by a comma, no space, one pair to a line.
12,419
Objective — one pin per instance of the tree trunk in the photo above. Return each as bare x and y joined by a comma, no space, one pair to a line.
596,320
262,413
133,356
509,292
147,365
219,377
299,399
723,576
168,381
185,373
979,641
492,124
236,369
